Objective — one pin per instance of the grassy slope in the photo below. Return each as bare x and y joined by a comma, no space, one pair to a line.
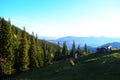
92,67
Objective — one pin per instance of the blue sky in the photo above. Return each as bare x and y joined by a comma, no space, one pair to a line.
58,18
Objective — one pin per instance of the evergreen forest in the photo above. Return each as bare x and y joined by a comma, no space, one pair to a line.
20,51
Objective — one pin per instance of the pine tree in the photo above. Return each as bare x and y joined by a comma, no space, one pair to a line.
16,51
33,53
50,55
64,49
23,52
46,53
58,53
73,50
86,49
6,48
39,54
78,50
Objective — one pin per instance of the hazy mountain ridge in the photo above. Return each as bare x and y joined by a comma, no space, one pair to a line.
113,44
92,42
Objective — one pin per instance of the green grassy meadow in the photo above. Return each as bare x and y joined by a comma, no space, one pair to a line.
92,67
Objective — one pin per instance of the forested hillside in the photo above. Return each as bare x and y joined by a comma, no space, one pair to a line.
20,51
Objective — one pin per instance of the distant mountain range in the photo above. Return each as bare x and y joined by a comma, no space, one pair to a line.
113,44
92,42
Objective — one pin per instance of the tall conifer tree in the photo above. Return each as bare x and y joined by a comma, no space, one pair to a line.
64,49
23,52
73,50
58,53
79,50
33,52
86,49
6,47
39,54
44,52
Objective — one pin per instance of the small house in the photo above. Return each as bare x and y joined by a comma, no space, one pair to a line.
104,49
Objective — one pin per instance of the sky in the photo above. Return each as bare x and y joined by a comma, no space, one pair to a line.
59,18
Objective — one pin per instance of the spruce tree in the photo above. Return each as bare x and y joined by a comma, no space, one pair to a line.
16,50
78,50
39,54
64,49
6,48
58,53
33,53
86,49
73,50
46,53
50,55
23,52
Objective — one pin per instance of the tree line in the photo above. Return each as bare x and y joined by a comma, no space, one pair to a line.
20,51
64,52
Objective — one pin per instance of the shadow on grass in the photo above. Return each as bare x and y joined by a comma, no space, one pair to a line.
104,66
